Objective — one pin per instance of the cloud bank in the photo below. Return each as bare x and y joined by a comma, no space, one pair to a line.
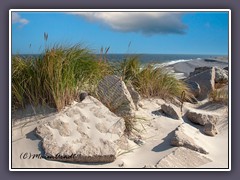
16,18
147,23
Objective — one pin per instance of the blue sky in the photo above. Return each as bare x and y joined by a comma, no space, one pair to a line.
155,32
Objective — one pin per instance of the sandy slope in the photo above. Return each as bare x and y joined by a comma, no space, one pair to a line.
156,132
189,66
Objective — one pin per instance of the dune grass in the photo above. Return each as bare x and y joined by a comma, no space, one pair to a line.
153,82
130,68
219,96
56,77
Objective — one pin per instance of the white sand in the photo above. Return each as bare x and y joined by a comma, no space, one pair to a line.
156,133
189,66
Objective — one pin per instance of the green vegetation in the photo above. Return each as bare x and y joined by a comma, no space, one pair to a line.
219,96
153,82
55,77
130,69
131,125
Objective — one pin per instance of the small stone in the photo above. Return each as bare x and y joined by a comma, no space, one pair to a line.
82,96
121,164
210,129
138,142
149,166
171,111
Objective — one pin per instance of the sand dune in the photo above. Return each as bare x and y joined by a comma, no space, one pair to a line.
157,131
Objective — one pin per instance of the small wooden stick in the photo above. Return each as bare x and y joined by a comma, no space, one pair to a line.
182,99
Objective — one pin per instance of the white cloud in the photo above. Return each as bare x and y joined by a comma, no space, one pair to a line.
147,23
16,18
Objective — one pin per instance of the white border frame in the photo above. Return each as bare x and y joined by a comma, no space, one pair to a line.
123,10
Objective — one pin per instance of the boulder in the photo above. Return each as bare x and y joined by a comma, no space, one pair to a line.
224,89
113,93
221,75
183,158
206,81
210,129
201,117
171,111
208,120
183,137
226,68
194,88
84,132
198,70
134,94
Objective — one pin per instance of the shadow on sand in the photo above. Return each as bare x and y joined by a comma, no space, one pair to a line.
211,106
31,111
33,137
166,144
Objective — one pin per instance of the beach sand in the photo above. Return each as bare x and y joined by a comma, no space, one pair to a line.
189,66
156,133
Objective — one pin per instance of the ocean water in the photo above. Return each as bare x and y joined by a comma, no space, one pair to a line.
163,59
158,58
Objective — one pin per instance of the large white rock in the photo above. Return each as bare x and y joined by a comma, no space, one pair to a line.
84,132
113,92
221,75
187,136
206,81
206,119
201,117
194,88
198,70
183,158
134,94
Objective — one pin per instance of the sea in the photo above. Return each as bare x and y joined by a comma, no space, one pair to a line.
164,59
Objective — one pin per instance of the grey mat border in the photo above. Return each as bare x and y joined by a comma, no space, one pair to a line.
170,4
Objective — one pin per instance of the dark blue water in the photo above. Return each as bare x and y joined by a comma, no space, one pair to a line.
158,58
149,58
